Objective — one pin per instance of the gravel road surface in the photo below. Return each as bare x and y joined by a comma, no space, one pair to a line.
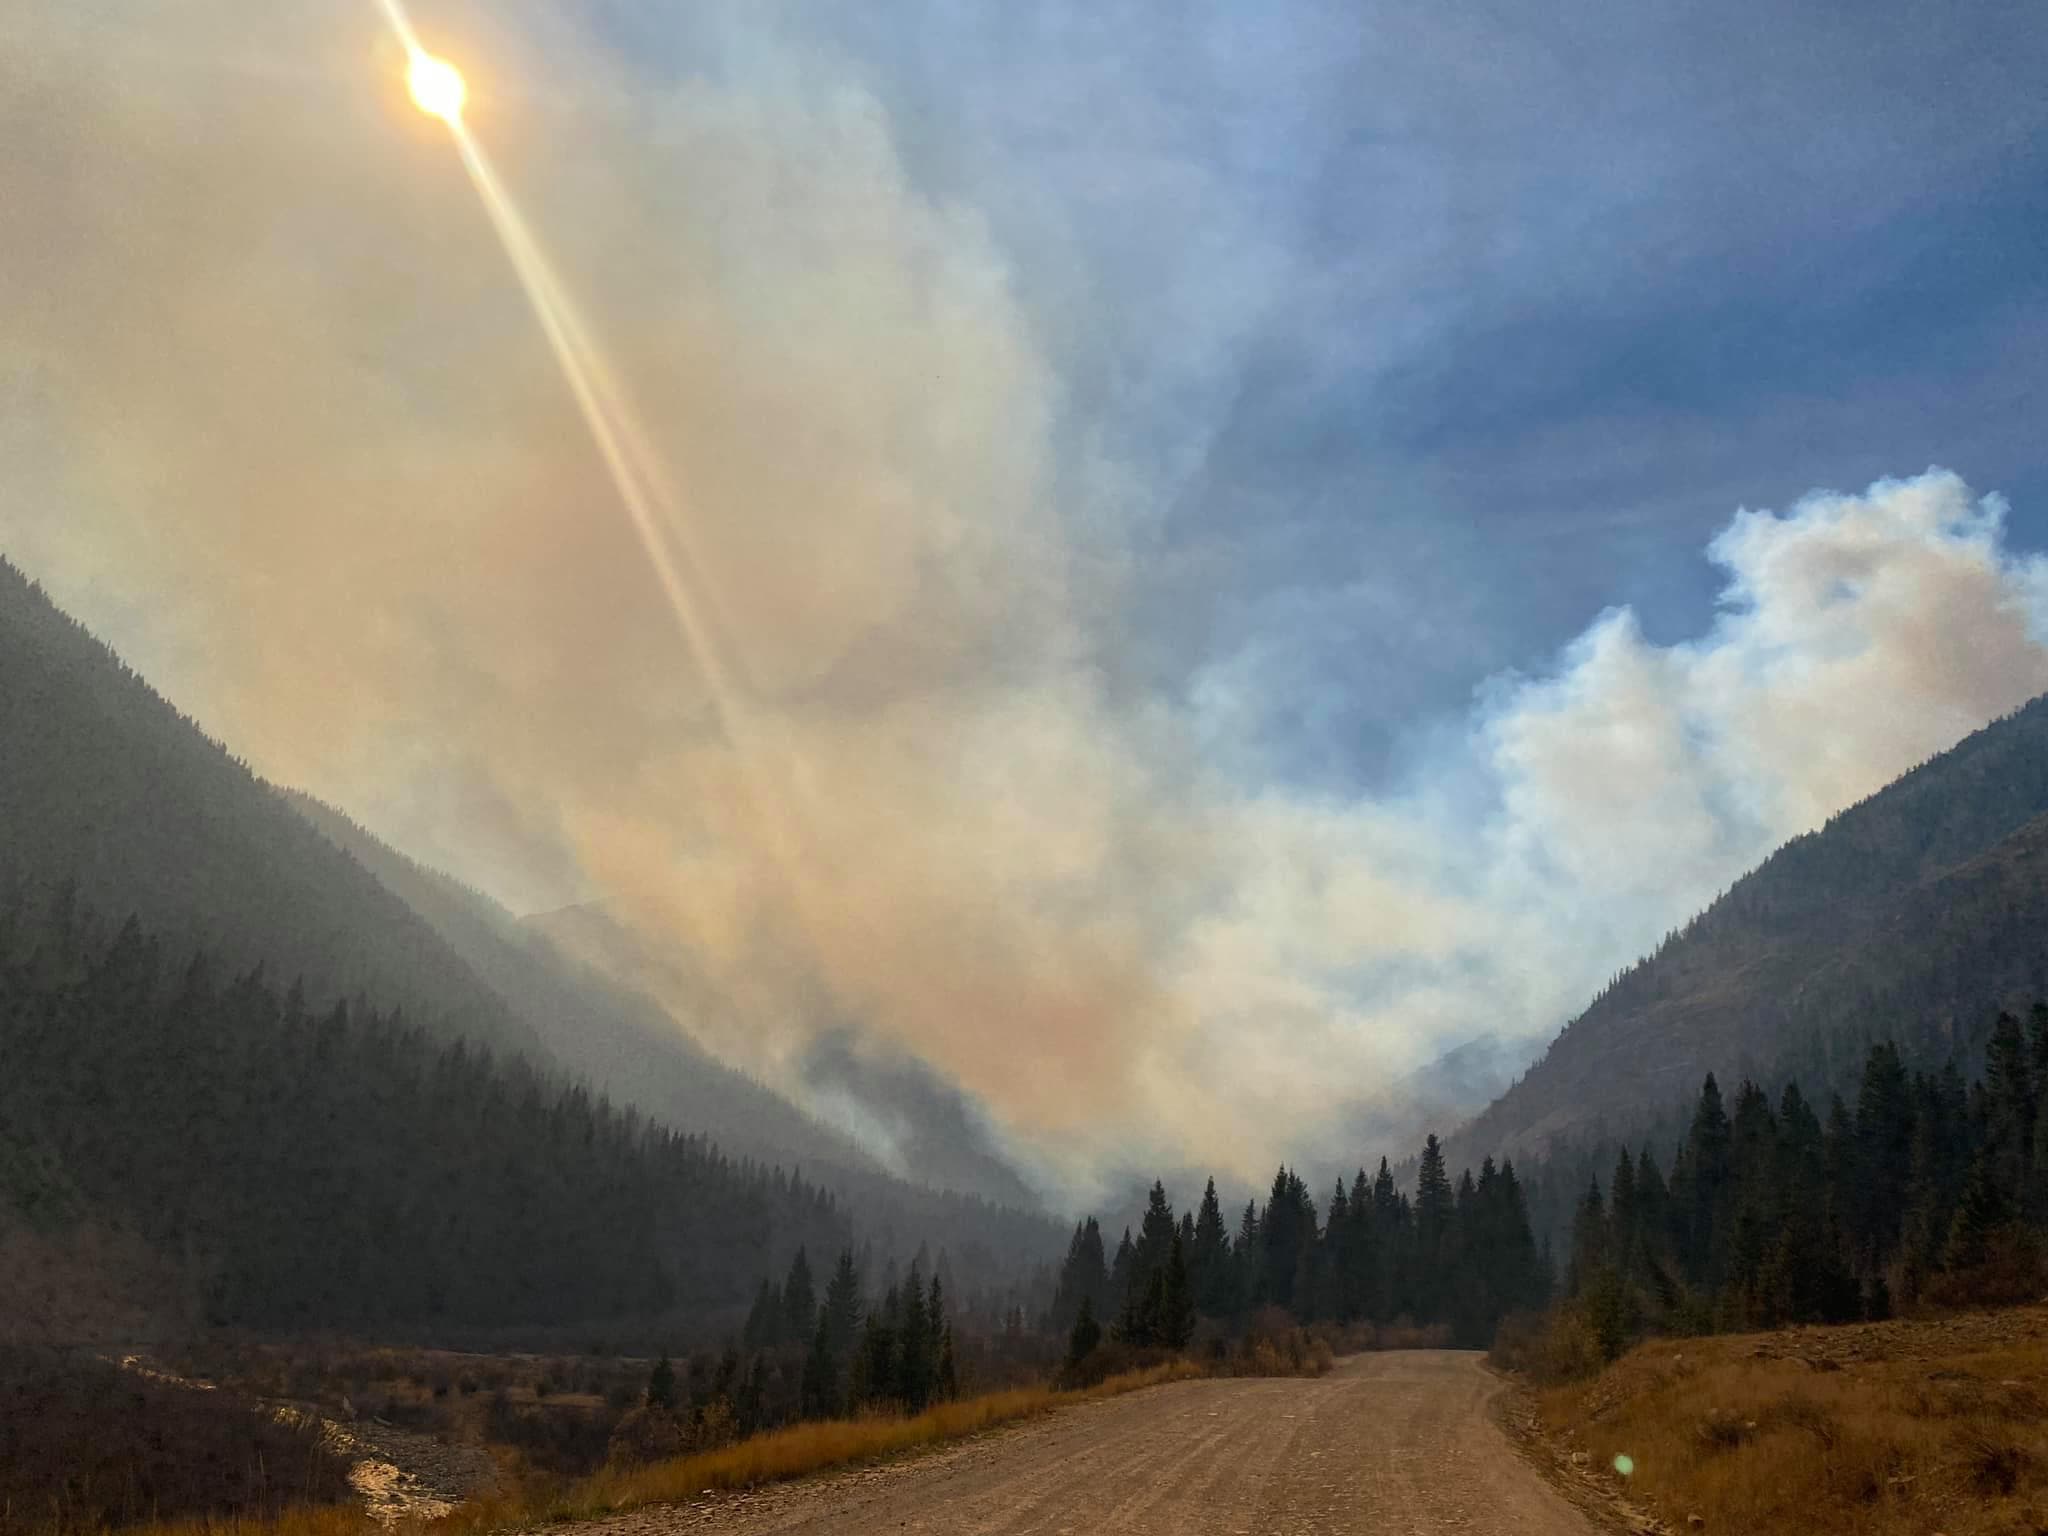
1395,1444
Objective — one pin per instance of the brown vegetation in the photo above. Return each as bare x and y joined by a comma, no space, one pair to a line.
1879,1428
802,1449
85,1445
779,1455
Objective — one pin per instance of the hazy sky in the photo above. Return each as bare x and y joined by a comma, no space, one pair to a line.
1227,525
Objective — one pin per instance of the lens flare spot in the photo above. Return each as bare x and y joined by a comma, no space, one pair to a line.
1625,1464
437,87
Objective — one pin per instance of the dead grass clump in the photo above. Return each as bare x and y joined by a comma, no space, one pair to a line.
1800,1411
1997,1465
1718,1433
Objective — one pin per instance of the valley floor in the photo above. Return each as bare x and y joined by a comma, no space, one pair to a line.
1400,1442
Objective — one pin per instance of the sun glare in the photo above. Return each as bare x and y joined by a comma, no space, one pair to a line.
437,87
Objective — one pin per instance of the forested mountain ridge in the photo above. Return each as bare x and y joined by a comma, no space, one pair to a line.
1915,915
107,789
628,1046
624,1042
340,1167
114,803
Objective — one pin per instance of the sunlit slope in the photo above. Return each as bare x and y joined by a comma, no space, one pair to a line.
1914,915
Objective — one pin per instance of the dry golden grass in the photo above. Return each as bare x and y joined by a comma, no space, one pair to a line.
1937,1425
307,1520
805,1448
778,1456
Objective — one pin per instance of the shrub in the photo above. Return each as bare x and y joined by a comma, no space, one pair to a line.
1110,1357
1273,1346
1549,1348
552,1439
644,1436
85,1445
2009,1274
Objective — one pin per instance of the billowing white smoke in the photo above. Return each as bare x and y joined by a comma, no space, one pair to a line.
1618,792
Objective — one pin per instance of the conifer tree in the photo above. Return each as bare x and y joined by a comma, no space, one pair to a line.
1177,1302
1248,1259
935,1321
1983,1212
1083,1277
2009,1105
1287,1230
915,1363
1332,1259
877,1359
1623,1218
820,1387
764,1321
1390,1235
1086,1334
1590,1253
1155,1234
799,1301
1884,1153
1209,1259
1653,1207
842,1308
1123,1271
1434,1203
1707,1149
661,1385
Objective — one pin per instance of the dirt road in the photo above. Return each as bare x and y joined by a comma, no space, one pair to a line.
1394,1444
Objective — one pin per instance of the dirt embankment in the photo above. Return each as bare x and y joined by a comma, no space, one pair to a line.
1402,1442
1936,1425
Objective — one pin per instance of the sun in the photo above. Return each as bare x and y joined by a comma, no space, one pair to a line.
437,86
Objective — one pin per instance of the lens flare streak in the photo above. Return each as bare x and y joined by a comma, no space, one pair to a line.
650,502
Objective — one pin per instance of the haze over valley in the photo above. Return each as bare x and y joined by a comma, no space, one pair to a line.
740,738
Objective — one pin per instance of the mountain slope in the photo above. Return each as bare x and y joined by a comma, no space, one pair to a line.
110,795
1916,914
628,1045
342,1168
106,788
622,1041
913,1118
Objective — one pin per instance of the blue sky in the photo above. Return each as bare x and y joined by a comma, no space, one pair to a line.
1228,522
1504,311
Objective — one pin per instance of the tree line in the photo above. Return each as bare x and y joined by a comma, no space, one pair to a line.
1789,1213
1456,1254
